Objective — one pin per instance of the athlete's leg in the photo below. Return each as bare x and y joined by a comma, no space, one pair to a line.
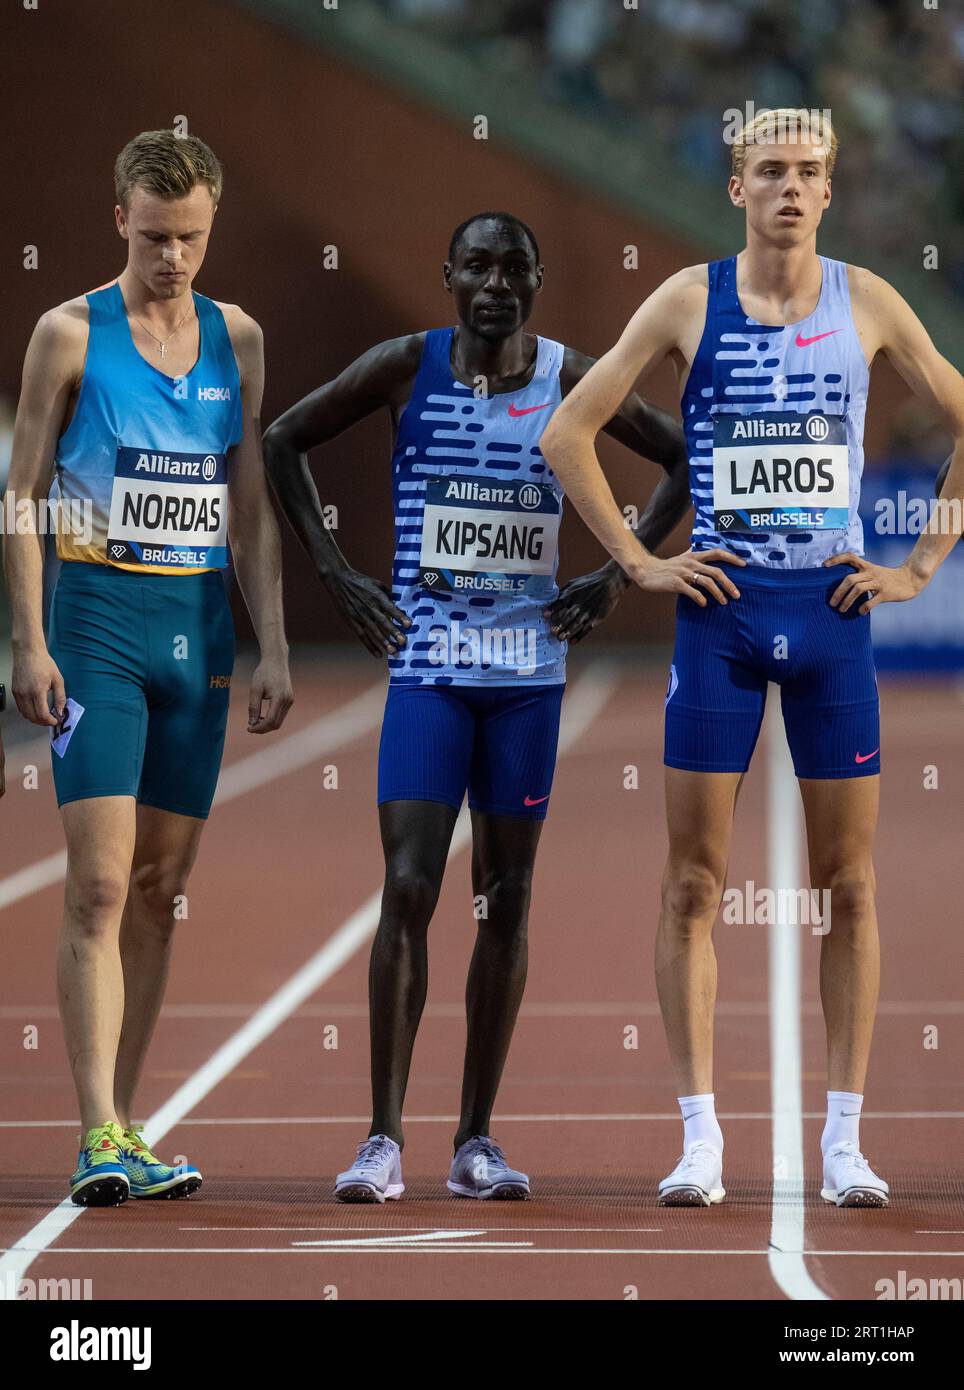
841,820
510,782
503,856
415,838
699,812
100,844
165,848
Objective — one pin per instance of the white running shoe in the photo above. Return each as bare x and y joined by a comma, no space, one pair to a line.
849,1180
375,1175
697,1179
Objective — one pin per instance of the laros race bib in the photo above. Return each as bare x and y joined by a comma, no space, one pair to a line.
489,538
168,510
780,471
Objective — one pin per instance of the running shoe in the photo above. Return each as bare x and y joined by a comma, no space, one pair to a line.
375,1175
148,1176
479,1170
697,1179
849,1180
100,1178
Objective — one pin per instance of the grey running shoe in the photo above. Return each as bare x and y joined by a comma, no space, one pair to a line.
375,1175
479,1170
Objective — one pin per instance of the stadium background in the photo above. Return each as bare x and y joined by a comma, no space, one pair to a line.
352,128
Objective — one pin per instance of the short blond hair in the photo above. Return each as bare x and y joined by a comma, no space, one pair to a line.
768,125
167,165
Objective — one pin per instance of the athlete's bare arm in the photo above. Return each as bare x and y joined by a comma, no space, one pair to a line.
584,602
383,376
887,324
253,532
668,324
52,371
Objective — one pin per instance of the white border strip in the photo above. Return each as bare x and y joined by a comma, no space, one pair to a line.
582,706
784,832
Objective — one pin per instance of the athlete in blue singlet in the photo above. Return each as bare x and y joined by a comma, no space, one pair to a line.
772,349
475,630
143,398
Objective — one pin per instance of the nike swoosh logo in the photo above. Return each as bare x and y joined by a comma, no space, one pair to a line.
530,801
848,1113
865,757
805,342
690,1115
516,413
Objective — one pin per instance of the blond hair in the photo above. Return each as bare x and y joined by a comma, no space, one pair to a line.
794,122
167,165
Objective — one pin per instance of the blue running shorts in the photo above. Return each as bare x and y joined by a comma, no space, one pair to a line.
781,629
495,741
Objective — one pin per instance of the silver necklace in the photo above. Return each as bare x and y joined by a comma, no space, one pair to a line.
162,342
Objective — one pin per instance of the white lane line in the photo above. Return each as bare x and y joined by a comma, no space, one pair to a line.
614,1117
596,1009
562,1230
486,1249
289,754
33,879
418,1237
784,825
582,706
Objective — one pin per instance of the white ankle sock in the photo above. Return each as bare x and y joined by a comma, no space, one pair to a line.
700,1124
843,1120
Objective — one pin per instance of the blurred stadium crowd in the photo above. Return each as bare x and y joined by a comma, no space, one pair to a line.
891,72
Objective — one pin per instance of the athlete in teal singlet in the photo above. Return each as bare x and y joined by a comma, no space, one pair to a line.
143,398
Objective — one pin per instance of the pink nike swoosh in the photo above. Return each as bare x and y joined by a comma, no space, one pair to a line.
530,802
515,412
866,756
805,342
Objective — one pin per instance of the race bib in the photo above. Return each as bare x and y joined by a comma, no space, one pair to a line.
489,537
780,471
169,510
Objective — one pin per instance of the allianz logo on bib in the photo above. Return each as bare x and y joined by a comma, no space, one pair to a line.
757,427
206,468
214,393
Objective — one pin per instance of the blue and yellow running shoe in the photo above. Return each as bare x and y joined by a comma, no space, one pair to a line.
148,1176
100,1179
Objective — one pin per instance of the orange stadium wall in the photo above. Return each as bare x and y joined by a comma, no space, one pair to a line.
316,154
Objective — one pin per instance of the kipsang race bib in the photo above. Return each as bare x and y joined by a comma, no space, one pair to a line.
780,471
169,510
489,537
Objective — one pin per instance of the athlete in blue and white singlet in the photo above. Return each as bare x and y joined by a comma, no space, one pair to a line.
772,350
475,630
774,420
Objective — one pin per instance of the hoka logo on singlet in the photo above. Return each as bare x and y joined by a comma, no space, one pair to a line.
214,393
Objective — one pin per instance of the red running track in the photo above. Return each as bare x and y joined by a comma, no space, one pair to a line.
285,864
